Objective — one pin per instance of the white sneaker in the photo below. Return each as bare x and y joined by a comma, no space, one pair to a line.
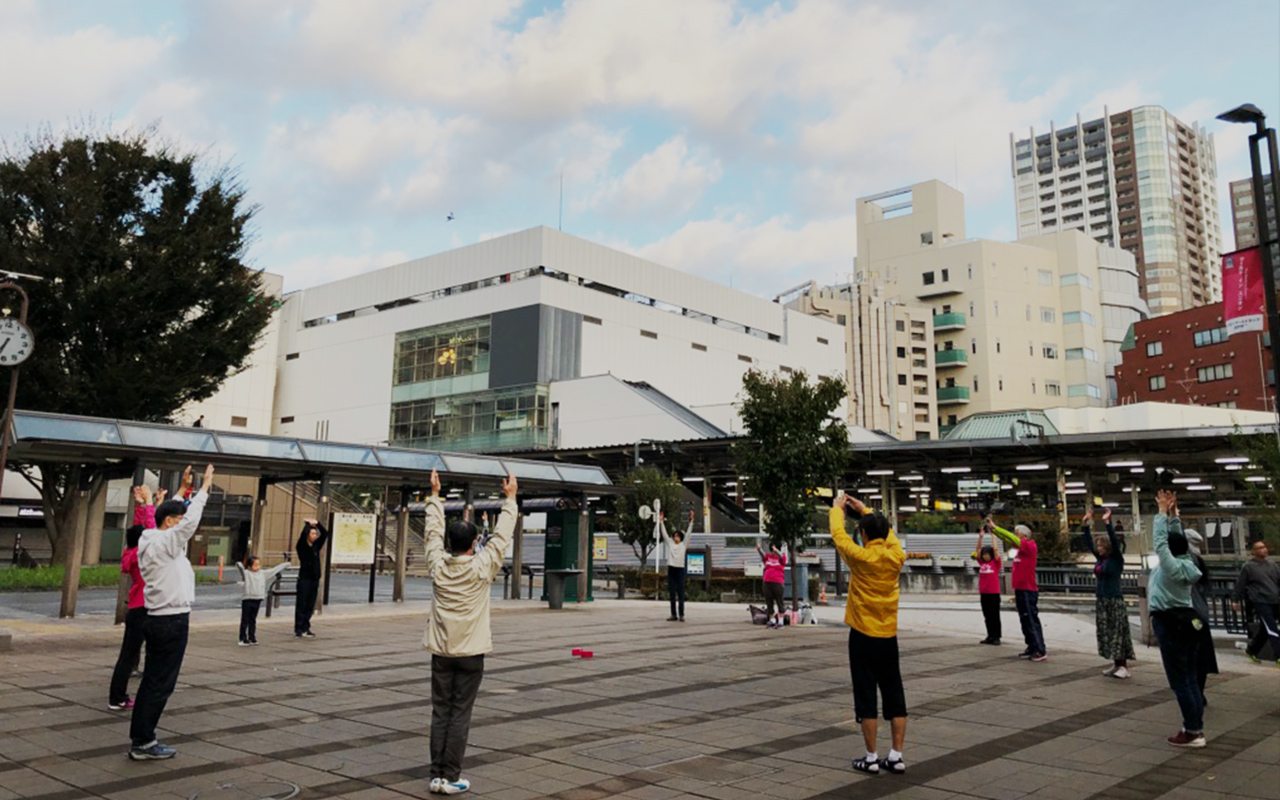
434,786
454,787
1121,673
1111,670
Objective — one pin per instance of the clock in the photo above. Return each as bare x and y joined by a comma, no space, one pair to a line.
16,342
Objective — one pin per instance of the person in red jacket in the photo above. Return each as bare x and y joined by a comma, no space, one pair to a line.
989,586
1026,592
144,517
775,565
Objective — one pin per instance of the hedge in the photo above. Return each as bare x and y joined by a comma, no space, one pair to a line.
650,584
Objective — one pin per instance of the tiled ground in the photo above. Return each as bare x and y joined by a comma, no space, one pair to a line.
713,708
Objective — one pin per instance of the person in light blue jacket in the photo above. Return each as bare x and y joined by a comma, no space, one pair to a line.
1176,624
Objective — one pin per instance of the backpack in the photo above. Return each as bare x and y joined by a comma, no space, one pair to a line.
758,615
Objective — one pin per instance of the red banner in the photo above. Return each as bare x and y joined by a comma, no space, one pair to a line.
1243,296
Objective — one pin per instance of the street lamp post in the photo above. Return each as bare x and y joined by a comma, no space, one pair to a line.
1249,113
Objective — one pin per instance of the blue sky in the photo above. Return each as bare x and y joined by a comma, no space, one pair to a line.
726,139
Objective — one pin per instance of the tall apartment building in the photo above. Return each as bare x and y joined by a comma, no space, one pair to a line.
1139,179
1244,217
889,354
1036,323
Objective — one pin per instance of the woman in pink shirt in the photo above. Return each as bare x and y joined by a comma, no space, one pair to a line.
144,518
775,564
989,586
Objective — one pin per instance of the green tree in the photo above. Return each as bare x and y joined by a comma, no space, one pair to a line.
933,522
795,442
650,483
146,305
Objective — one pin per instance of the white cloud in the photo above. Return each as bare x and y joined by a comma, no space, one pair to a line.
663,182
316,269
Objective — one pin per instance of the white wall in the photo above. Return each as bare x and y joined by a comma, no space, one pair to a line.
602,410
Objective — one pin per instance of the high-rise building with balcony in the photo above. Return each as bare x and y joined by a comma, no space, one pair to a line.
1244,216
1141,180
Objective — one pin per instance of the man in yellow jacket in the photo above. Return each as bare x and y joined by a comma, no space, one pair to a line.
458,632
872,616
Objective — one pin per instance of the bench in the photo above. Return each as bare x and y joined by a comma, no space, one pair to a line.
506,579
284,585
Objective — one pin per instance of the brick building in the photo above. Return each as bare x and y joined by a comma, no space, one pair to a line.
1186,357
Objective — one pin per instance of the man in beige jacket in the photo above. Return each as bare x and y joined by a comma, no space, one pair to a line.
458,633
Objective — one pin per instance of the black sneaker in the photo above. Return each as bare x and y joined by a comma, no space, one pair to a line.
863,765
152,752
308,635
1026,654
673,619
895,767
253,642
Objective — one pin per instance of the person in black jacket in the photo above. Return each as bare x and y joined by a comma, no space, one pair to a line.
313,537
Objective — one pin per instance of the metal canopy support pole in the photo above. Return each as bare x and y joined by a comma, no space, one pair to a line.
584,548
379,540
706,505
517,558
324,515
1266,240
1144,609
1064,525
259,514
71,578
402,545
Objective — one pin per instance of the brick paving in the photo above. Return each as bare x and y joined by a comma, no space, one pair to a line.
712,708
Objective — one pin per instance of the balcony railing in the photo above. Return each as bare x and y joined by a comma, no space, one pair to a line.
950,358
950,395
948,322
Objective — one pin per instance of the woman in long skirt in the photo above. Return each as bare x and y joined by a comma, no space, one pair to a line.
1115,643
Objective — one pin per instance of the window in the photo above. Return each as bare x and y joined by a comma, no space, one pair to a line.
951,419
1050,351
902,352
1155,349
1206,338
702,348
1219,372
1047,314
970,272
1081,354
592,320
970,309
1077,279
928,279
747,359
1155,383
1052,389
946,275
973,346
1046,277
1083,390
291,356
488,419
1031,348
442,351
975,383
841,319
822,341
1000,384
997,345
1071,317
926,238
239,422
1033,386
900,325
648,334
902,380
285,420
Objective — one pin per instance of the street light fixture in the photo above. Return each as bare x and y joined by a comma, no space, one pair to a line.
1251,114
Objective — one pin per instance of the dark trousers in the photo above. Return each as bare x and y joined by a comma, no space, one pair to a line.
675,588
1266,630
773,596
308,588
135,623
454,685
1028,603
1179,651
991,614
166,639
873,664
249,620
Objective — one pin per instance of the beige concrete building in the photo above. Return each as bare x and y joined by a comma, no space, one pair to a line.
1032,324
888,353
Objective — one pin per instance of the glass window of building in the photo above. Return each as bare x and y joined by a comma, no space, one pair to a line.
442,351
1155,349
1047,314
493,419
1156,382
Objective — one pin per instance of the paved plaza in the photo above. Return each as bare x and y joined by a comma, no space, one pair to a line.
712,708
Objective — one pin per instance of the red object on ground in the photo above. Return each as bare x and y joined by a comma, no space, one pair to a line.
586,653
576,651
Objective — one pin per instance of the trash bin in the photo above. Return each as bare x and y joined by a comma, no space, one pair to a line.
555,579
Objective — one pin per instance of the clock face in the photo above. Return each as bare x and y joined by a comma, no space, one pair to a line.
16,342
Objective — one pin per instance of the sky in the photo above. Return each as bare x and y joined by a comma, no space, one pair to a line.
726,139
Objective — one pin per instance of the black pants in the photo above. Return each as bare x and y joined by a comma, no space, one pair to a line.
249,620
1180,652
873,663
675,588
773,596
991,614
1028,603
1267,629
454,685
166,639
308,588
135,623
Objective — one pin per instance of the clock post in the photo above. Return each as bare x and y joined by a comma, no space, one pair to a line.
16,338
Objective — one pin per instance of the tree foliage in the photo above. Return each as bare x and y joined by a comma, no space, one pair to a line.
649,483
146,305
795,442
933,522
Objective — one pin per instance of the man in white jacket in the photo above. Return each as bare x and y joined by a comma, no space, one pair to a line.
458,633
170,591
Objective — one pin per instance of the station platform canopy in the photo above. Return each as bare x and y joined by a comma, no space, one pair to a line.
38,436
